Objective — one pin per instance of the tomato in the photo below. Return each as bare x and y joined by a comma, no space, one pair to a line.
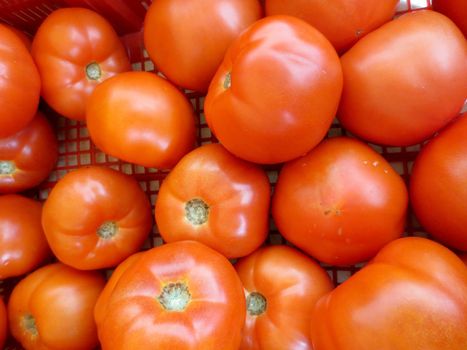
217,199
3,323
282,286
180,295
20,84
390,97
438,188
189,54
464,258
52,308
23,246
275,94
27,157
456,10
413,295
113,220
340,203
21,35
142,119
343,22
76,49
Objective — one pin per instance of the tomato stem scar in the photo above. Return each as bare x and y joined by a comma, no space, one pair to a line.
175,296
29,324
7,167
93,71
196,211
228,81
107,230
256,304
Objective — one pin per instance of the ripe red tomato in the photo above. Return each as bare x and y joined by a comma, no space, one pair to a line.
217,199
282,286
76,49
456,10
23,246
275,94
189,54
3,323
112,220
141,118
343,22
27,157
340,203
405,80
22,36
180,295
52,308
20,85
413,295
438,185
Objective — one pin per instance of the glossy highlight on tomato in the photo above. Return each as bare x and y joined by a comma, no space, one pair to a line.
180,295
215,198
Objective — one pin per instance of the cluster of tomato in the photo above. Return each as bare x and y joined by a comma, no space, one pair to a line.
273,87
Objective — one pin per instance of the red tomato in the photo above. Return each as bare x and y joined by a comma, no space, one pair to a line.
142,119
112,222
275,94
76,49
438,185
456,10
27,157
3,323
405,80
217,199
343,22
340,203
23,246
52,308
282,286
413,295
20,84
181,295
22,36
189,54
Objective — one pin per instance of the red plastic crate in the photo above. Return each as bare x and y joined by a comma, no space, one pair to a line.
76,149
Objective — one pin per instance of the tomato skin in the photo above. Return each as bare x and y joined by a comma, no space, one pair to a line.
20,84
171,45
438,191
3,323
285,85
291,283
67,41
391,98
413,295
340,203
33,152
61,301
142,119
464,258
236,192
343,22
113,221
212,319
456,10
23,246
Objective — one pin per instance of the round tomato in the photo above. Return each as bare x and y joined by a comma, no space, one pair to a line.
189,54
343,22
95,217
413,295
22,36
181,295
27,157
217,199
23,246
52,308
282,286
340,203
438,186
142,119
275,94
456,10
76,49
3,323
20,85
405,80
